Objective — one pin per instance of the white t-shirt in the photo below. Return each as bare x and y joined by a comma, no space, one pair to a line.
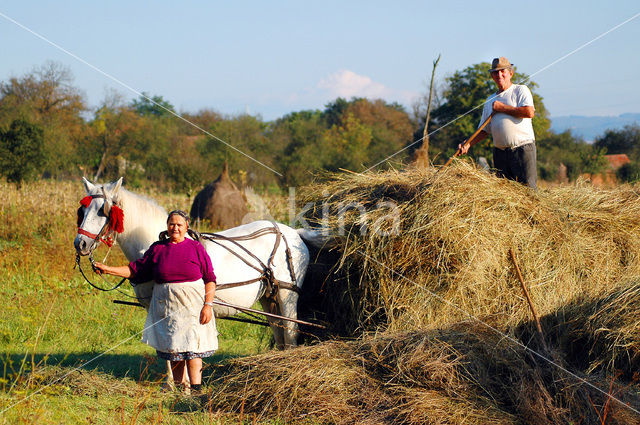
508,131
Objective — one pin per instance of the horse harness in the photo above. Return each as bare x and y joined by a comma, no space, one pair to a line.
97,238
272,285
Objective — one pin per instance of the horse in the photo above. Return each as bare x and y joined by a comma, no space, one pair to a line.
259,261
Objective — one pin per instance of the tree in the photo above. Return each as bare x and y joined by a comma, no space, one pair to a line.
46,97
625,141
108,134
45,92
629,173
460,109
151,106
241,140
21,151
297,140
578,156
390,125
347,145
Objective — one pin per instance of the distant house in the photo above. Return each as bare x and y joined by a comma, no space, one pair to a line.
617,161
608,177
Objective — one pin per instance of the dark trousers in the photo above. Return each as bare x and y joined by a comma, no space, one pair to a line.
517,164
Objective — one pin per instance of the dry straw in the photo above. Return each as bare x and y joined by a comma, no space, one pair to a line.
411,277
462,374
576,245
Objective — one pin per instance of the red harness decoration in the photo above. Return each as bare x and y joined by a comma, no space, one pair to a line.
115,223
86,201
116,219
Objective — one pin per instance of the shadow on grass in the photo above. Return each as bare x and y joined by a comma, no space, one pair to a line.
135,366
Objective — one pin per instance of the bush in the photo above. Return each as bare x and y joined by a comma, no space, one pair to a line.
629,173
21,151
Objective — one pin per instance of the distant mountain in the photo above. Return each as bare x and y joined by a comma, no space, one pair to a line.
591,127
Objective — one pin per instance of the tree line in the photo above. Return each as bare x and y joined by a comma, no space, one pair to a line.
47,130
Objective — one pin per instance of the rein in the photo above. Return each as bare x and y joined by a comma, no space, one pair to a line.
92,261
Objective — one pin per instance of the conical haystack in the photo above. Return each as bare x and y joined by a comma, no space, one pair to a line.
220,203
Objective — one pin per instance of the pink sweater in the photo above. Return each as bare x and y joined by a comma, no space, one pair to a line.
166,262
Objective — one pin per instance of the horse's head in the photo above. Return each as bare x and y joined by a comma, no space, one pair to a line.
99,216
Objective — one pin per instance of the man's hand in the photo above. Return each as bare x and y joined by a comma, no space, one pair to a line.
464,147
499,106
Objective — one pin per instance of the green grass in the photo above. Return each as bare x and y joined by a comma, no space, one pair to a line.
55,327
68,354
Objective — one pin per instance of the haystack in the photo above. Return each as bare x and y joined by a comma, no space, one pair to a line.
424,250
220,203
443,332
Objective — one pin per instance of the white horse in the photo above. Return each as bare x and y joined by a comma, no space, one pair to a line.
144,219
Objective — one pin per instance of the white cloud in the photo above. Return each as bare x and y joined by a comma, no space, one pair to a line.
345,83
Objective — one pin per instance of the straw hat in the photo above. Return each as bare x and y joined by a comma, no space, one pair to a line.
500,63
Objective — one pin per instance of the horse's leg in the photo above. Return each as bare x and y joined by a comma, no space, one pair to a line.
288,301
274,324
169,382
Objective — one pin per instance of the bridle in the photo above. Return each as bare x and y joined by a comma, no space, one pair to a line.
97,238
107,229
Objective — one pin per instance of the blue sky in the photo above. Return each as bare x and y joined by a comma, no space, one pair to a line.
271,58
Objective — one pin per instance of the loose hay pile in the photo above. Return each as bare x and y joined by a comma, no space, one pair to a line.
459,375
428,252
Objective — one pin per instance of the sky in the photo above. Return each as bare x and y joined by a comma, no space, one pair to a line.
273,58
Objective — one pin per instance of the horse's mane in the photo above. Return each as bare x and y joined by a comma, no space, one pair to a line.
140,208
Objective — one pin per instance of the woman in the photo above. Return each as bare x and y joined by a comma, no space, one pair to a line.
180,323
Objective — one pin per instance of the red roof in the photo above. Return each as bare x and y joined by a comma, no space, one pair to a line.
617,161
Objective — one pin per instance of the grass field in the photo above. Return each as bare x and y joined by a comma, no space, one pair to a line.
69,355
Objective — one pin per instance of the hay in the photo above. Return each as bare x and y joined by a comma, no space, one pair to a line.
612,331
448,260
417,289
220,203
458,375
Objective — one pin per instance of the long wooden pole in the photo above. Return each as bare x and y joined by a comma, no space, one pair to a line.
526,294
459,151
425,133
264,313
245,309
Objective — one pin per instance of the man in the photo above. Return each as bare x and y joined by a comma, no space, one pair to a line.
514,149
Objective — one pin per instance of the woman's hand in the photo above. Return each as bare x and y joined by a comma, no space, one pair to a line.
122,271
206,314
99,268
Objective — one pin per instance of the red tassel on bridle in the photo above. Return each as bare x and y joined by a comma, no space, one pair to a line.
116,219
86,201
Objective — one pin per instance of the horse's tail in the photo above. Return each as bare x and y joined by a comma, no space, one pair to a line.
318,238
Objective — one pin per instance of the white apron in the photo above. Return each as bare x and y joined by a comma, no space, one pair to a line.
173,320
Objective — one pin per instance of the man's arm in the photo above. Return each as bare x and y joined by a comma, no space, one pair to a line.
514,111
